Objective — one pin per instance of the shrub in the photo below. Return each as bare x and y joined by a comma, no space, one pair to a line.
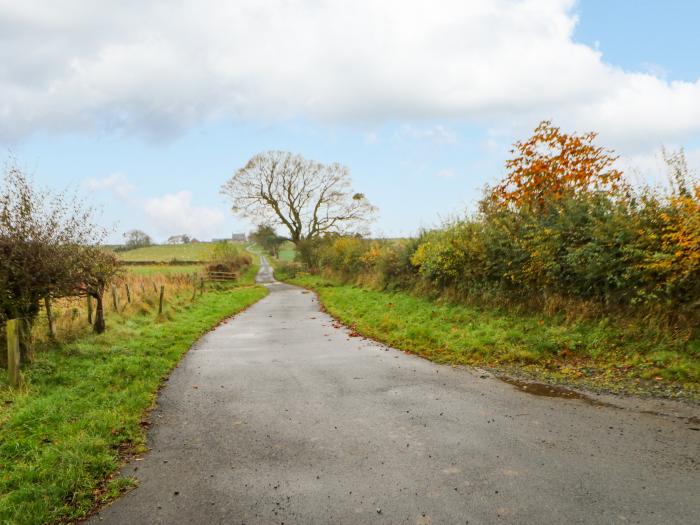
562,231
228,257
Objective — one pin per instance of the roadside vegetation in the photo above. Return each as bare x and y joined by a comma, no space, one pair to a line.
83,407
90,339
600,354
566,271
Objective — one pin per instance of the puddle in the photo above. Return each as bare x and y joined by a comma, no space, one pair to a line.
541,389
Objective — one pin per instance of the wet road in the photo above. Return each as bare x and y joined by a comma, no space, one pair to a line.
278,416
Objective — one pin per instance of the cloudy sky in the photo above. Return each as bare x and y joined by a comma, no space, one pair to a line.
148,107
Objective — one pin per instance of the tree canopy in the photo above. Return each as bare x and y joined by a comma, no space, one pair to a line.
137,239
552,164
266,236
40,239
308,198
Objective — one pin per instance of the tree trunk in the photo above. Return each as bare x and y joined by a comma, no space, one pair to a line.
14,361
49,316
160,302
25,340
99,326
89,309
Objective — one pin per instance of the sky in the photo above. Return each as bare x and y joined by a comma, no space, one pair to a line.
146,108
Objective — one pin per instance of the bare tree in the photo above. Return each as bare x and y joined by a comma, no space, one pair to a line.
308,198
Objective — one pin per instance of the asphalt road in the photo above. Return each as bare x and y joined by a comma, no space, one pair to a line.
278,416
265,273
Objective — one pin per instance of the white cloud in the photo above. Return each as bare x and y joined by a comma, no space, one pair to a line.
174,213
445,174
371,137
650,167
118,183
158,67
438,134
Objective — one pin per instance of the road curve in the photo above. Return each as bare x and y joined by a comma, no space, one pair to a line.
278,416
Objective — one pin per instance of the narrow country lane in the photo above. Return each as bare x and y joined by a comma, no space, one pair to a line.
277,416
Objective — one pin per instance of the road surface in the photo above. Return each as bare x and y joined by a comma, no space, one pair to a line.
265,274
278,416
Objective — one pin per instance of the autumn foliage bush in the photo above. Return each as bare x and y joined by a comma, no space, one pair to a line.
563,228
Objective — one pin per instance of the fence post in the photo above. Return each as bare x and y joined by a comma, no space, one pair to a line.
201,286
89,308
128,293
160,302
143,290
13,358
155,288
49,316
115,301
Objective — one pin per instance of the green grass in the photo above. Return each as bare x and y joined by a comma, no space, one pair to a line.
64,434
602,355
147,270
167,252
287,252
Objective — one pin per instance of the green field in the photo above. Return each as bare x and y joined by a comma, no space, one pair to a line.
167,252
287,252
81,411
602,355
148,270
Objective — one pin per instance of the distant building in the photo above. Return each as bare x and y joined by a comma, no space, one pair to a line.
179,239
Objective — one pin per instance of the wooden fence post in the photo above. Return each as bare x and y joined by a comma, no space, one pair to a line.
115,300
155,288
49,316
128,293
201,286
160,302
89,308
13,358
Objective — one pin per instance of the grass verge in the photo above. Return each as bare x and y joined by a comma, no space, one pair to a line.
604,356
81,411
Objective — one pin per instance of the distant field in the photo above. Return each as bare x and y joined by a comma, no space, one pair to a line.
167,252
164,269
287,252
